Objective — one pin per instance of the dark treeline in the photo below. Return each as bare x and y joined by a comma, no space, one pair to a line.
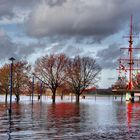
56,72
107,91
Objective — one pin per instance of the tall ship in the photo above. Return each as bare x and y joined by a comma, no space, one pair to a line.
128,81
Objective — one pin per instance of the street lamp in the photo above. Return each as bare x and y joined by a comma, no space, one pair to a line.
11,84
33,87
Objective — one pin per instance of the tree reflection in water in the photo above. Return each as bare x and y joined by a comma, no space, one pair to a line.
63,117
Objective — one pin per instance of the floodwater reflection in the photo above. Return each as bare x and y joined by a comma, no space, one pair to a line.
133,114
101,119
63,118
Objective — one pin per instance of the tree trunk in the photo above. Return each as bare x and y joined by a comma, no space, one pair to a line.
77,98
53,96
62,96
17,98
6,97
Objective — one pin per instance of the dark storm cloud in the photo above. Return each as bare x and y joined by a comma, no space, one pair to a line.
27,50
55,2
7,47
6,10
7,7
108,57
73,18
81,18
72,51
69,50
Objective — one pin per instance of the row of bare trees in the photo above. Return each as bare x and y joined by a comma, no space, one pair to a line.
56,71
75,74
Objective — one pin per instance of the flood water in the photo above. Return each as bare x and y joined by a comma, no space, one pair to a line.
101,119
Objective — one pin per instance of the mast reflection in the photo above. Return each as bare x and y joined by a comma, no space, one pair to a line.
133,114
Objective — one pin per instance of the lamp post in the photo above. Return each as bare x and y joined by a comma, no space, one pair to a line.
11,84
33,88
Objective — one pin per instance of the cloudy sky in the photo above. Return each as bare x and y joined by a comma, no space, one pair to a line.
32,28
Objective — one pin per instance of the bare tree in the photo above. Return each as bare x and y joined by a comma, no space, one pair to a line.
20,78
81,73
51,69
5,80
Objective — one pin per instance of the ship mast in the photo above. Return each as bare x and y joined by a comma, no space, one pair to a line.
130,60
131,63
